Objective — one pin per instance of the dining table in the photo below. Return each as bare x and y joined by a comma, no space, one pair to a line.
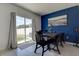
52,37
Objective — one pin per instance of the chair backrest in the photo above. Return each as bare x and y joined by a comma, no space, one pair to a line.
57,37
60,37
38,36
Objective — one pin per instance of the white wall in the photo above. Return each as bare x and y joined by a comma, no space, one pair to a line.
5,10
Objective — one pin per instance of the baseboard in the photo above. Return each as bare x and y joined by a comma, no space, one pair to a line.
70,43
74,44
3,50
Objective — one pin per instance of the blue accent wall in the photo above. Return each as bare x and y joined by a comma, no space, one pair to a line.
72,19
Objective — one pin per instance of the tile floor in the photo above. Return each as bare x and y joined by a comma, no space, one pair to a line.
67,50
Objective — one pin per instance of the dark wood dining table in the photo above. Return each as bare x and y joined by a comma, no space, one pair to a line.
50,35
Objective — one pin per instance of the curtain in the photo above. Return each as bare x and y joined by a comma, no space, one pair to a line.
12,42
33,29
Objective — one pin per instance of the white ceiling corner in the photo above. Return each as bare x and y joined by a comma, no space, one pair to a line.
45,8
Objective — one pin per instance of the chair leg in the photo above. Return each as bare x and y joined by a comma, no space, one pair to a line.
42,50
57,48
61,43
48,47
36,48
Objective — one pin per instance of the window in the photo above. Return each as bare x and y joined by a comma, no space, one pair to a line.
23,29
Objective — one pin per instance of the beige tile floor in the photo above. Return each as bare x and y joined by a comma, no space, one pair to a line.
67,50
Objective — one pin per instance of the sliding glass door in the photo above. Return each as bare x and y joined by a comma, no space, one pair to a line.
28,33
23,29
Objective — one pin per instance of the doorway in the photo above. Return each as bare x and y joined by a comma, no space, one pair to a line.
23,29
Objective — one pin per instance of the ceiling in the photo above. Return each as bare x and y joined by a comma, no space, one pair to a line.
45,8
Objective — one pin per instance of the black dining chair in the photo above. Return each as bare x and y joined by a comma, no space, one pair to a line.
41,41
55,41
61,39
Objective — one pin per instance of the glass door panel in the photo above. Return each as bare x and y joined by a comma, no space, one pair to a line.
23,29
28,29
20,30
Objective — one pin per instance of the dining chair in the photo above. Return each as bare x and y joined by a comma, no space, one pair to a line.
41,41
55,42
61,39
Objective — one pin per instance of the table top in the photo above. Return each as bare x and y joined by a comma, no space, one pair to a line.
49,35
